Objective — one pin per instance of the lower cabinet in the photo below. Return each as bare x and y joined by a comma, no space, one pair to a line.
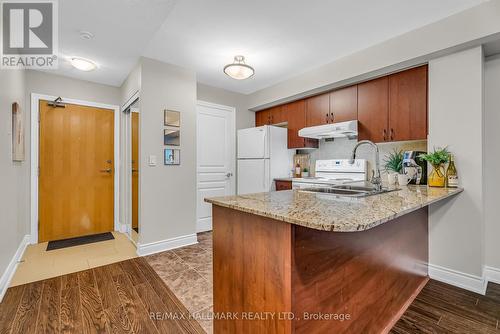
283,185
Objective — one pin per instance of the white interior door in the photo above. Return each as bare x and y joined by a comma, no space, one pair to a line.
216,158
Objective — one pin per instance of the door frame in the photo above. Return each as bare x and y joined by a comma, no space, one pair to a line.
232,110
34,132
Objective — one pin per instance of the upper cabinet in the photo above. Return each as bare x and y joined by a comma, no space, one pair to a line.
262,117
394,108
408,104
373,110
270,116
296,118
390,108
277,115
344,104
318,110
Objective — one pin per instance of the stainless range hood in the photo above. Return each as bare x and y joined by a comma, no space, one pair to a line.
347,129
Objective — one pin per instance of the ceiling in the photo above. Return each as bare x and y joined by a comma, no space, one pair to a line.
279,38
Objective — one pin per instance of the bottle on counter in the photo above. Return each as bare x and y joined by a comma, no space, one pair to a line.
298,170
451,174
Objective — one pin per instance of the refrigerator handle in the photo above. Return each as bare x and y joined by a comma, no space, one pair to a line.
266,173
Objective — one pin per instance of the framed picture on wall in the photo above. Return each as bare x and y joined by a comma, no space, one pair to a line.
171,137
172,156
172,118
18,153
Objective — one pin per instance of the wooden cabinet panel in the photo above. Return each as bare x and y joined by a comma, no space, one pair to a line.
262,117
317,110
344,104
408,105
277,115
283,185
296,116
373,110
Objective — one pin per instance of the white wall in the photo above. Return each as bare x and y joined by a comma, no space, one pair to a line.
463,30
14,193
56,85
244,117
492,160
456,120
167,193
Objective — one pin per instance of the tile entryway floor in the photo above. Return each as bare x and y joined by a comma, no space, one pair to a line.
187,271
38,264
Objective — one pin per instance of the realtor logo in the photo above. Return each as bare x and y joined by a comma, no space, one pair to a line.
29,34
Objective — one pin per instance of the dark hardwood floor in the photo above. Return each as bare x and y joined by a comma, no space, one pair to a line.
116,298
442,308
119,298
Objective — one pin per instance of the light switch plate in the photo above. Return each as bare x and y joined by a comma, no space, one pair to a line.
152,160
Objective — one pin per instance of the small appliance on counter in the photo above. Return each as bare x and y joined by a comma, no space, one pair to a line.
415,167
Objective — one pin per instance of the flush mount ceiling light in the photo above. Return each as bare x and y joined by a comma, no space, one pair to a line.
87,35
83,64
238,69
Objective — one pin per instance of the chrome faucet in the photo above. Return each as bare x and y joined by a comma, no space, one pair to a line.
376,178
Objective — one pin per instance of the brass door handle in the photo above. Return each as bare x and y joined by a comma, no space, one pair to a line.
109,170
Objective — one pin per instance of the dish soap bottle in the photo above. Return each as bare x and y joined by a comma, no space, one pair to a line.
297,170
451,174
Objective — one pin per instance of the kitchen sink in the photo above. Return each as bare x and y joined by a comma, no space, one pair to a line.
347,190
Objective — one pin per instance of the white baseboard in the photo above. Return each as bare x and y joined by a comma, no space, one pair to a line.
11,268
164,245
492,274
462,280
204,225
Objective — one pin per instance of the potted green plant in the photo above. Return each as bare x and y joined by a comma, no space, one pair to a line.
437,159
305,172
393,165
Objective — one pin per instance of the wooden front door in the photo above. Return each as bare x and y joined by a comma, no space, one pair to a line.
135,170
76,176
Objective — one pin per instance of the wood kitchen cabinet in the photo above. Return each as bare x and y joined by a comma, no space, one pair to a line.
276,115
373,110
318,110
296,117
408,105
283,185
344,104
394,107
262,117
390,108
270,116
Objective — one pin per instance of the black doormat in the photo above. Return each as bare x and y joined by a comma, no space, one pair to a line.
88,239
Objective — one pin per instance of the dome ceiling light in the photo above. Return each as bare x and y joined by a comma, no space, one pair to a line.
83,64
238,69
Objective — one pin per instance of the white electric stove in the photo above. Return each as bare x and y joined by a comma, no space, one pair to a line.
333,172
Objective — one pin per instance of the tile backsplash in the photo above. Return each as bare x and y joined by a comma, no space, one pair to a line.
341,148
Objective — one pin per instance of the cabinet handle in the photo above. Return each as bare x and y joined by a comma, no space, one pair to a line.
327,118
392,134
332,117
384,133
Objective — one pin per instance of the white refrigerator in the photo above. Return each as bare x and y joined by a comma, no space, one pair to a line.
262,156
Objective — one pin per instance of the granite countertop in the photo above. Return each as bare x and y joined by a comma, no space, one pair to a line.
338,214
